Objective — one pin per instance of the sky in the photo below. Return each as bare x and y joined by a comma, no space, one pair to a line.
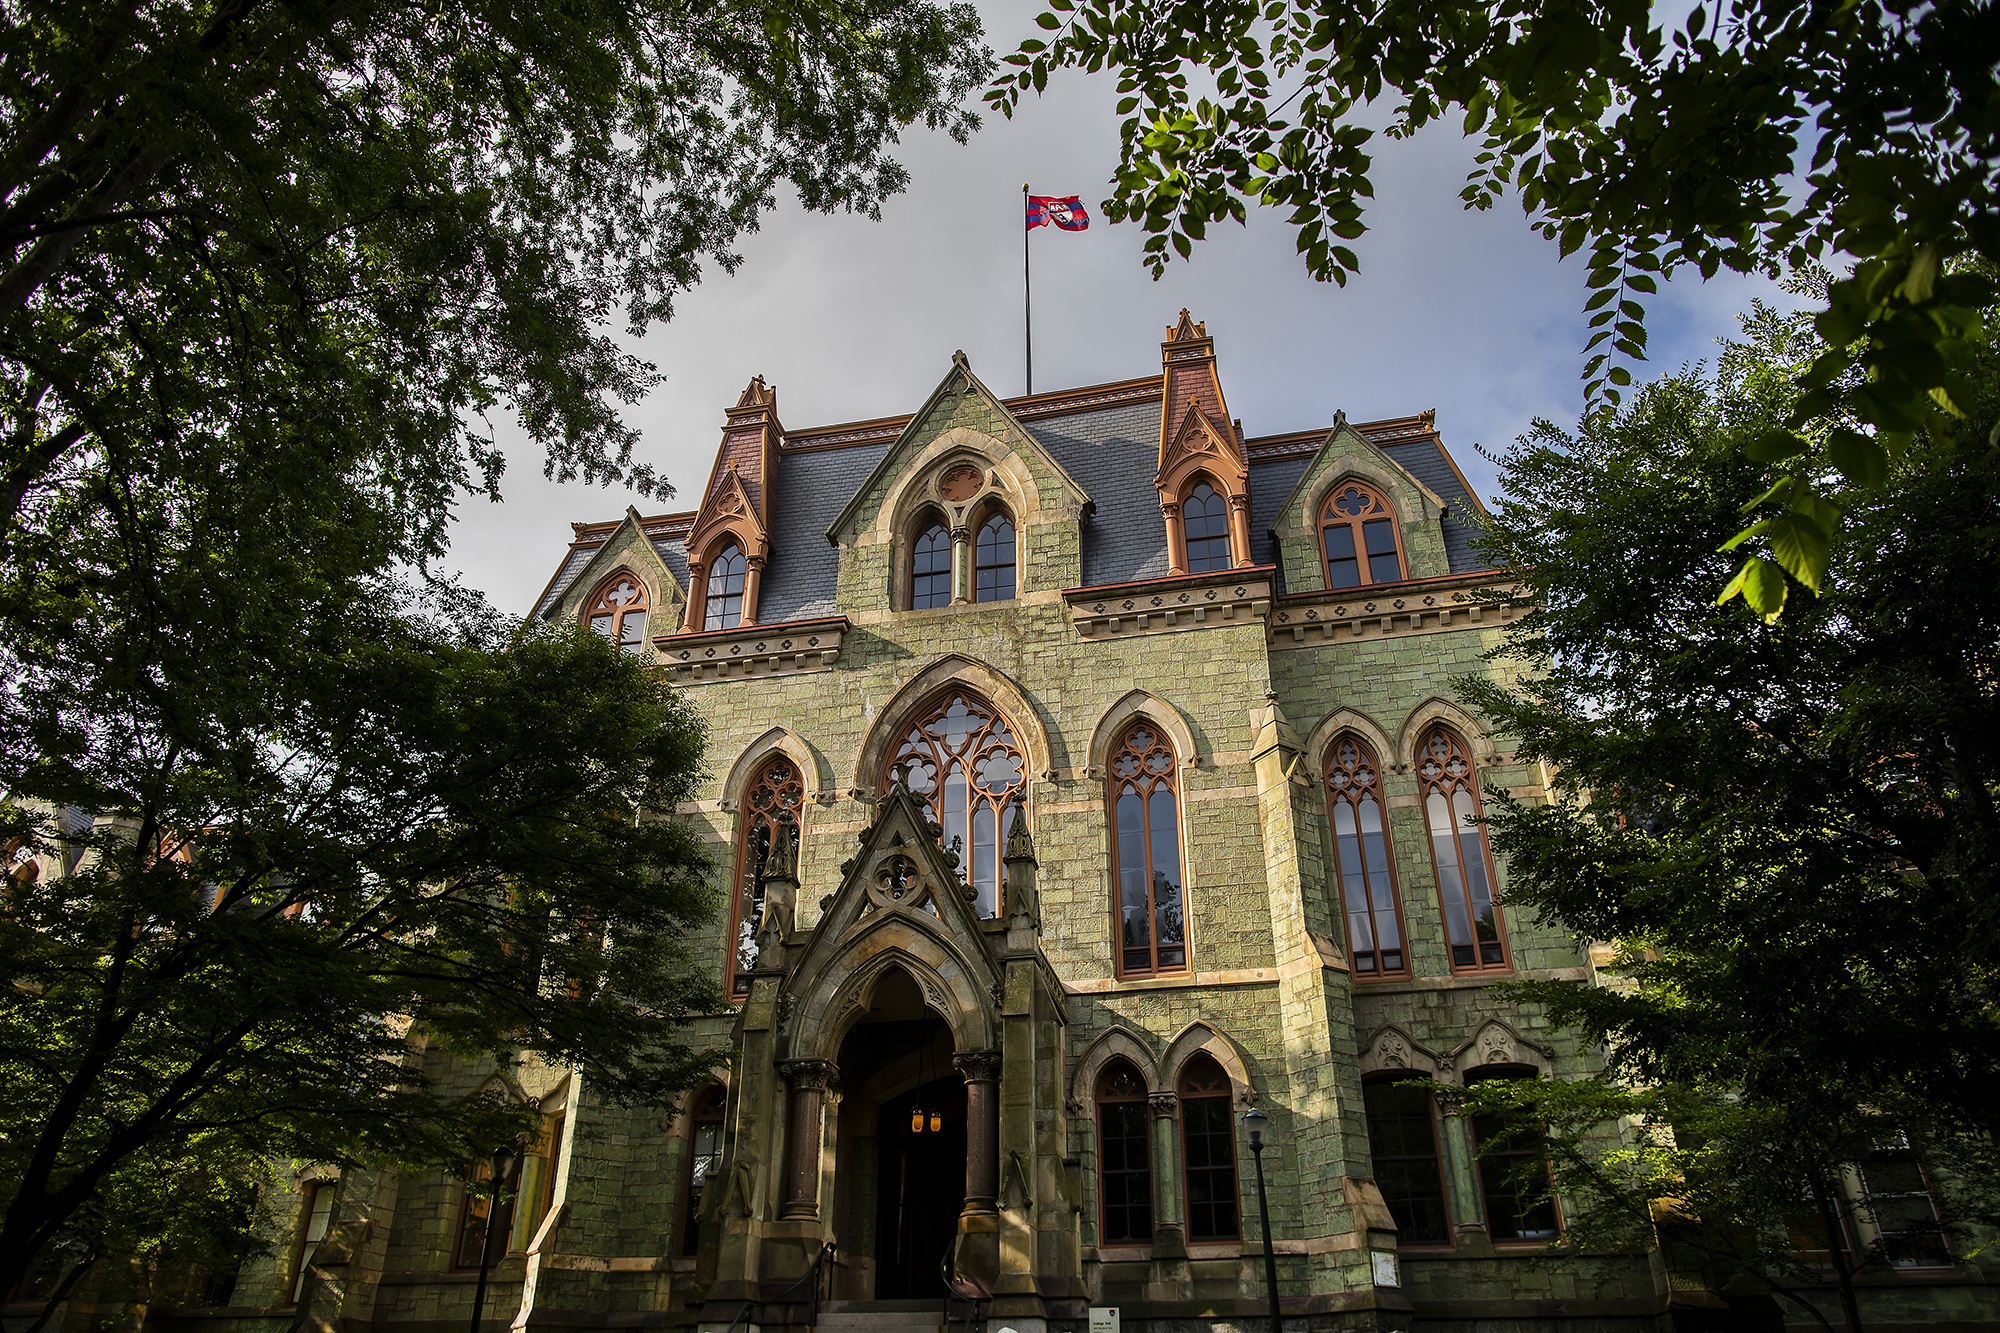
1469,313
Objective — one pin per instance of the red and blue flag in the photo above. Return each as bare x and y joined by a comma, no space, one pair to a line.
1066,211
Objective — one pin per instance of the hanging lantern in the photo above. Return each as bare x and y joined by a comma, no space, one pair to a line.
916,1120
937,1121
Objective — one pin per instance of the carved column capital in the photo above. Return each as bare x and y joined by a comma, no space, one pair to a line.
977,1066
1239,502
961,535
813,1075
1165,1104
755,561
1170,509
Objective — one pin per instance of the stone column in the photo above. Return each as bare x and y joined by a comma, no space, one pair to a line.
696,614
981,1071
753,579
961,564
1239,528
810,1080
1176,537
1168,1231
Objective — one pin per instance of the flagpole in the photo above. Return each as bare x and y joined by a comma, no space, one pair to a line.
1027,296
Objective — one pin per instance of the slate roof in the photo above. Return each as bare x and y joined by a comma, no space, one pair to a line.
1110,451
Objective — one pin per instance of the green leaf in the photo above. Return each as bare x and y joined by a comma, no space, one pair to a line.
1860,458
1762,586
1800,546
1048,21
1774,446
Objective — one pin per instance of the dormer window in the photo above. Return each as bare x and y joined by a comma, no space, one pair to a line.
725,589
930,567
993,560
618,612
1358,534
1205,519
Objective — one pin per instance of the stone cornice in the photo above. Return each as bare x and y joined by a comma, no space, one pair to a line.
1182,602
754,650
1396,610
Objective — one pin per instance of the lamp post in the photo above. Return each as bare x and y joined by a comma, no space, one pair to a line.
503,1163
1255,1121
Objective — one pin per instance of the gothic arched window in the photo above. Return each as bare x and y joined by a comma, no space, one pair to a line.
1361,859
1514,1175
775,796
1402,1138
1358,534
965,761
618,612
993,560
1464,864
704,1159
1208,1151
930,567
1124,1158
725,589
1205,521
1146,855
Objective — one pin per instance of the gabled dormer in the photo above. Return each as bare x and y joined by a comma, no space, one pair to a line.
1203,477
730,540
1357,519
624,591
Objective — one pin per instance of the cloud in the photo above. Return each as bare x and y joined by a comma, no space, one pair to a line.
1468,313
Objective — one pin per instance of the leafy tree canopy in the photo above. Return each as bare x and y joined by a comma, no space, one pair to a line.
1654,147
1788,831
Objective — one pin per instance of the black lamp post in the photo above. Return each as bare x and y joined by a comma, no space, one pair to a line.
503,1163
1255,1121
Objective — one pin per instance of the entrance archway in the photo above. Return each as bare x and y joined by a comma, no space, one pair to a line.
902,1140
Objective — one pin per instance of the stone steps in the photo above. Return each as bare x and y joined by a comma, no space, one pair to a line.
888,1316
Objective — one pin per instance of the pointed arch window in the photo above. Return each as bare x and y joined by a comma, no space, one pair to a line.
993,560
1402,1139
966,763
1208,1151
704,1159
930,567
618,611
725,589
1473,928
1362,864
1146,854
1205,523
1358,533
776,796
1124,1158
1514,1177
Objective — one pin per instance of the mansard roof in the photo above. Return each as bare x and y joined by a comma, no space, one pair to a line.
1104,437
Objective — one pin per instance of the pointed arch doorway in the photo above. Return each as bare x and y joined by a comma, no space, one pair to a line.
903,1130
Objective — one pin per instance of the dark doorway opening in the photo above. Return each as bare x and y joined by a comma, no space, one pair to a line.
920,1189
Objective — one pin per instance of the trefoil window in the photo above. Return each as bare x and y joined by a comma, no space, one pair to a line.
1358,533
1146,855
618,612
1464,863
1361,859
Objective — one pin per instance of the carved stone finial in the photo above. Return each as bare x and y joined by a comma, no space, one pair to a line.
1020,845
783,861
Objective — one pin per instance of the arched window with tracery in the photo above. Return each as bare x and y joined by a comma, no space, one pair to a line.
965,761
930,567
993,560
1208,1151
1359,536
724,608
1464,863
775,796
1205,523
703,1161
1361,860
1146,854
618,611
1124,1158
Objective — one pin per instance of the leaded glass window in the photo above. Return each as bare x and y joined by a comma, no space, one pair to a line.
1124,1158
966,763
930,568
1458,843
725,589
1205,520
1362,861
1146,854
1402,1138
1208,1151
993,561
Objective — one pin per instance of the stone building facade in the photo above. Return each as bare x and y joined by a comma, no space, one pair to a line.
1085,773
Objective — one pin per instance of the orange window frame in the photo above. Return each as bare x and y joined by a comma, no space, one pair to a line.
1369,506
1351,782
1448,783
